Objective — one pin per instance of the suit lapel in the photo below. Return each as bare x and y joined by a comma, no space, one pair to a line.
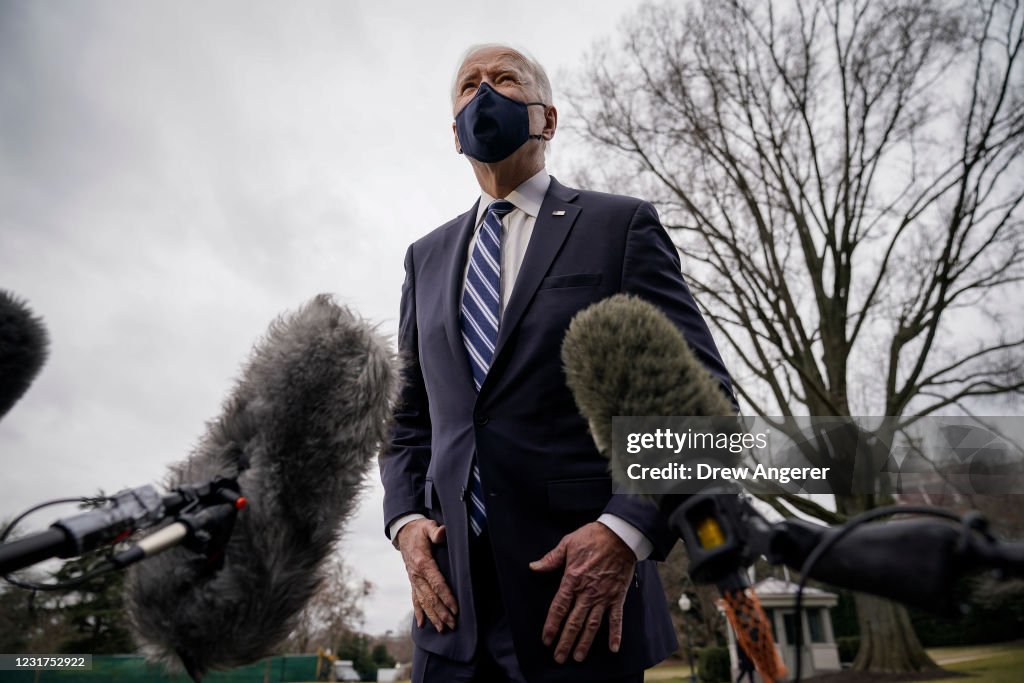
456,247
554,221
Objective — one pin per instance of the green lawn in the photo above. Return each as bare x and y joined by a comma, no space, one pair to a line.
661,674
995,663
999,663
668,674
952,655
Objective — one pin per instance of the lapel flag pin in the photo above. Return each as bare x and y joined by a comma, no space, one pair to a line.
558,213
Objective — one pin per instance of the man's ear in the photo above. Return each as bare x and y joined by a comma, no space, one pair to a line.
455,137
550,122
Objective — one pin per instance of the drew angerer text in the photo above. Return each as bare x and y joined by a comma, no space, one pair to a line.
700,471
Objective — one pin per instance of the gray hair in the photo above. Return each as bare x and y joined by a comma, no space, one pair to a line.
538,76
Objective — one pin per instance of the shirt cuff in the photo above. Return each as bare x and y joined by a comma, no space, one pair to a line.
630,535
397,525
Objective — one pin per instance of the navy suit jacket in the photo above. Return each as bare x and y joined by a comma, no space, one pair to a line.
542,475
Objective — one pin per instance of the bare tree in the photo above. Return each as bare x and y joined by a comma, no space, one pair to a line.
399,640
335,610
844,180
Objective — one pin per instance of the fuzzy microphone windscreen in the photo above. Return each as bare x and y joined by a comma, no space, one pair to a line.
624,357
23,349
309,412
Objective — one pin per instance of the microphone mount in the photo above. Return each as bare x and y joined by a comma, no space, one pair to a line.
724,534
199,516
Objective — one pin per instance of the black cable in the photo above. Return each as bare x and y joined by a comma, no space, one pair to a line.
61,585
58,501
99,570
826,544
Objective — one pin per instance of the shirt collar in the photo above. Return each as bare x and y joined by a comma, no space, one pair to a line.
527,197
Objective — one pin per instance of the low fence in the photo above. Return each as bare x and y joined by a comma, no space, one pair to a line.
135,669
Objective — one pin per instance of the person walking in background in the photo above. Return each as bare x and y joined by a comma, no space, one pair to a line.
745,666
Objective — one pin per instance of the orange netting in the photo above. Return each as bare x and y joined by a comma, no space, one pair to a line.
754,633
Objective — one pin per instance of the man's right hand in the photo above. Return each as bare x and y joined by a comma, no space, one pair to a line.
431,596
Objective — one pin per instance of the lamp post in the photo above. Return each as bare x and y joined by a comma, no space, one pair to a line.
685,604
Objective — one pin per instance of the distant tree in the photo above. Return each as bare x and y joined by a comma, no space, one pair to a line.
705,623
86,618
18,619
844,180
381,657
93,612
334,611
399,640
356,647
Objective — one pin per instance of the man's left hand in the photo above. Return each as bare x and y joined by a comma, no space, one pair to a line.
598,569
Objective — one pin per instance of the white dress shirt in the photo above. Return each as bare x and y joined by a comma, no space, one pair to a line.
516,230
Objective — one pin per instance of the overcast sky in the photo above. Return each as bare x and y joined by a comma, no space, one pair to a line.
174,175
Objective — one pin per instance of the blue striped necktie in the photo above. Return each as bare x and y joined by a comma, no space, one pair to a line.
481,316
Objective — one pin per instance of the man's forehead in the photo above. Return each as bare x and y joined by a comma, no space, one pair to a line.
487,58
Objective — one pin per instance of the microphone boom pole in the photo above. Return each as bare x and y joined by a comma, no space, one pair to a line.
128,511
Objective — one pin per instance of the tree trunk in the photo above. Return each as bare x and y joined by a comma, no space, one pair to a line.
888,642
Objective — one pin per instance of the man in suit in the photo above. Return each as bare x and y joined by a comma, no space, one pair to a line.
523,565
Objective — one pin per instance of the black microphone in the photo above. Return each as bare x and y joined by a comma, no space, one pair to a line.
298,430
23,349
624,357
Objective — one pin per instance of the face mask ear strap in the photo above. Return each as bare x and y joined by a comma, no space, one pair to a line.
536,104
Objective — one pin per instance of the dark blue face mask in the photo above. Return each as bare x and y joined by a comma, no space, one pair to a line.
492,126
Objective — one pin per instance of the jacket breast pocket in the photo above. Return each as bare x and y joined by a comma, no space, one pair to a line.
578,495
573,280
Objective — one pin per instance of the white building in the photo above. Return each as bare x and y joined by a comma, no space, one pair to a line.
345,670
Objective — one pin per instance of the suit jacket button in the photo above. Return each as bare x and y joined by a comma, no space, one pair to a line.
482,420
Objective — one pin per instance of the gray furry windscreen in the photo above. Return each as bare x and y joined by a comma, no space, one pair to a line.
309,413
